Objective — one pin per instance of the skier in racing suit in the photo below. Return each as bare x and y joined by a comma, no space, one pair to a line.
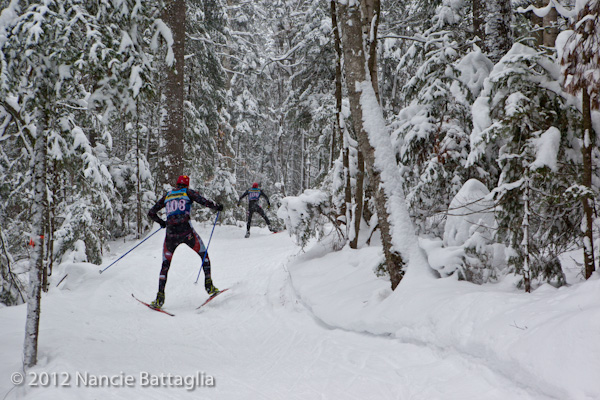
178,205
254,194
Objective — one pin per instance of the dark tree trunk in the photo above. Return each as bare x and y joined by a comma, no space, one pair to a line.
371,13
173,122
479,22
538,24
359,198
339,117
550,28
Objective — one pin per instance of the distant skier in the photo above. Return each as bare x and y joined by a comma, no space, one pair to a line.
178,205
254,194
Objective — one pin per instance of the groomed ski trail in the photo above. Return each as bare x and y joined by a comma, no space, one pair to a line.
257,340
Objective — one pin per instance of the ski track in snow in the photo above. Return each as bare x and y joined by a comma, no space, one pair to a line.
258,340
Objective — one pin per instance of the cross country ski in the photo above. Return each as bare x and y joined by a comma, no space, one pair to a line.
212,297
151,307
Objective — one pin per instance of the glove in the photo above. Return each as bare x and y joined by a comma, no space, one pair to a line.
219,207
238,203
163,224
268,206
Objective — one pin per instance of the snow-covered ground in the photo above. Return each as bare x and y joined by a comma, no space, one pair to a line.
314,325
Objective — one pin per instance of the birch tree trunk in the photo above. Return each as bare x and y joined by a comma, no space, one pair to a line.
356,73
525,243
34,291
587,200
172,124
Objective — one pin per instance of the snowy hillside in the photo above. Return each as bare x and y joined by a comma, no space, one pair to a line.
314,325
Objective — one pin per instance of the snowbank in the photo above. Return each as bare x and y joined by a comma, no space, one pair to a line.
546,341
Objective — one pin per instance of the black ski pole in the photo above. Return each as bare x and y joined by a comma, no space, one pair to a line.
206,251
114,262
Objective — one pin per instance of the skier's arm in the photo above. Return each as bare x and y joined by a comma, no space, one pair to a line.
242,196
266,198
153,213
195,196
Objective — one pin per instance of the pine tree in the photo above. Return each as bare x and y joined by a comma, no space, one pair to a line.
432,131
529,133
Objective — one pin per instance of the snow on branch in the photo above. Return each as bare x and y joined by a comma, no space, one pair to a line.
163,30
543,11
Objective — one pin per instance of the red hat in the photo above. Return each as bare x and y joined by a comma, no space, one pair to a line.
255,185
183,180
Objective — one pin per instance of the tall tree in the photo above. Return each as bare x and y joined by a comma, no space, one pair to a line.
340,126
399,242
172,124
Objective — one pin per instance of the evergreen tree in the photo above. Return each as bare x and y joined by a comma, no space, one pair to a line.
527,126
432,131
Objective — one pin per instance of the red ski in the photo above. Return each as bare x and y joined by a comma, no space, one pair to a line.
212,297
153,308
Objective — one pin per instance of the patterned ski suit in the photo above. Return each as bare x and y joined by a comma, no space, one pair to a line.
178,205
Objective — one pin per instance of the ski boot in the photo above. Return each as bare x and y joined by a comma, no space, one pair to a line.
210,288
160,300
247,234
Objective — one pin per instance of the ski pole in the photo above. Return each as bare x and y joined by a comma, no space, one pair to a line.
114,262
206,250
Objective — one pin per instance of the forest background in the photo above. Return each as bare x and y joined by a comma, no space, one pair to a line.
475,122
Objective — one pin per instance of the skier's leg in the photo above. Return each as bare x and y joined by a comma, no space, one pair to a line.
262,214
250,214
168,249
195,243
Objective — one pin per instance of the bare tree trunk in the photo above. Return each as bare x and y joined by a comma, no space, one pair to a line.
173,122
359,198
302,163
138,187
371,13
355,67
339,123
550,28
34,291
587,200
539,22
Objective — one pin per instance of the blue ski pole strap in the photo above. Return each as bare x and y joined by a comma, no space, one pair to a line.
206,251
114,262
